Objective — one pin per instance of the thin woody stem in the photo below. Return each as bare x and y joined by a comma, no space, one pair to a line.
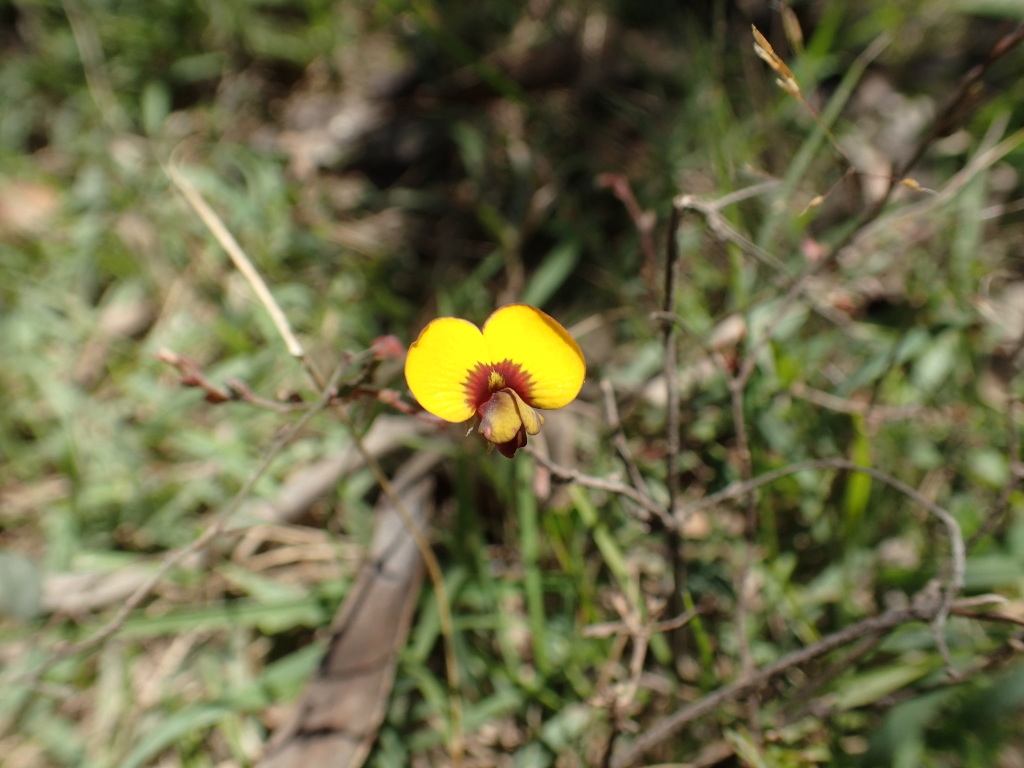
674,534
280,320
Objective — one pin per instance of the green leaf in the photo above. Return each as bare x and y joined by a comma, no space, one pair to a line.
871,686
21,587
988,467
171,730
858,484
1009,9
552,273
994,571
938,361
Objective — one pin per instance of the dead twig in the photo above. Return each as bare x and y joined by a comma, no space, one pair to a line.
674,535
280,320
955,581
212,532
925,608
949,117
619,439
603,484
643,221
726,233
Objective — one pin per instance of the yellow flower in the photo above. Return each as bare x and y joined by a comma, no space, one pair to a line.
521,361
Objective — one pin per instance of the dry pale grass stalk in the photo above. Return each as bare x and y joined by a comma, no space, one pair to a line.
280,320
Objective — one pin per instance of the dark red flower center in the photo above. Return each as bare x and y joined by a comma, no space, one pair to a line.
487,378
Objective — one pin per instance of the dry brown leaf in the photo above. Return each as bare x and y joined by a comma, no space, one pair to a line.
791,27
335,722
814,203
26,207
913,184
766,53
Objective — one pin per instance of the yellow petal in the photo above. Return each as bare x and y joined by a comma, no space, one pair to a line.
499,417
544,349
438,363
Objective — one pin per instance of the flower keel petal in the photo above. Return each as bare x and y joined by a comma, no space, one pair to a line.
531,420
508,450
500,421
